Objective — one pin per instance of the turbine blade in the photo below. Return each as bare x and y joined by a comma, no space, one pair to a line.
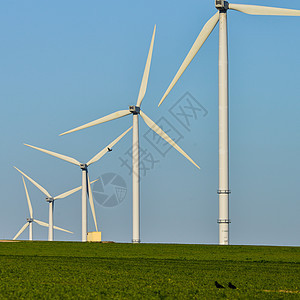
202,37
107,148
41,223
35,183
21,230
264,10
47,225
63,157
64,195
68,193
160,132
28,199
144,83
115,115
90,193
94,180
61,229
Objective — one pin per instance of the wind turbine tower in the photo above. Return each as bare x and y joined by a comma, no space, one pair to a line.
221,17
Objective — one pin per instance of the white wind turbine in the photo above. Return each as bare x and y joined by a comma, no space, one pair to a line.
31,219
136,111
50,200
222,7
85,179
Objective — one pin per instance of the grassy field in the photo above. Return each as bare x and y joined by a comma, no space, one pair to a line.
62,270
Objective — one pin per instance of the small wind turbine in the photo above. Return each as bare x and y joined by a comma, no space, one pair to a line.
222,7
136,111
85,179
31,219
50,200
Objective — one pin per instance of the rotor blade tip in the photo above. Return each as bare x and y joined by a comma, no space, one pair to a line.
66,132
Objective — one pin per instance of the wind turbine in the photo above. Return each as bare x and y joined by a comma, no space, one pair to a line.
50,200
31,219
222,7
85,179
135,110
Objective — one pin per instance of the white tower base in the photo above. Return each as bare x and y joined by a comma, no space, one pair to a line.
94,236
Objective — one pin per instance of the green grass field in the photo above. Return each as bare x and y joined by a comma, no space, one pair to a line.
62,270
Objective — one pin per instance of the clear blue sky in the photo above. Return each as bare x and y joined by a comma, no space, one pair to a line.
65,63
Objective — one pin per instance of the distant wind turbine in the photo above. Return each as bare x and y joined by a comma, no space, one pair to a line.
31,219
136,111
85,179
222,7
50,200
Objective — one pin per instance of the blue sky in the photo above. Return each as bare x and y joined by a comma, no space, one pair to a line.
65,63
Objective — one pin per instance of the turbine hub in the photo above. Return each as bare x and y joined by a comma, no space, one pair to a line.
48,199
83,166
221,5
30,220
134,109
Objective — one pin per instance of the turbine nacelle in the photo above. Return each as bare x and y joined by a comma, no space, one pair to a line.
50,199
29,220
134,109
83,166
221,5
